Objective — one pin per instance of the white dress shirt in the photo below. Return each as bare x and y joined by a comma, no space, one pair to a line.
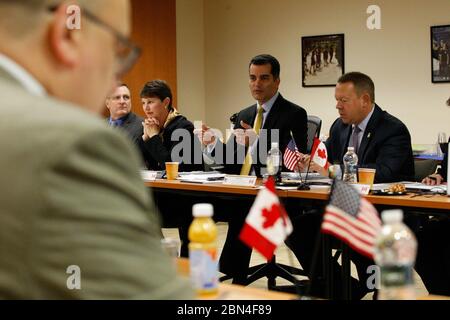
266,106
22,76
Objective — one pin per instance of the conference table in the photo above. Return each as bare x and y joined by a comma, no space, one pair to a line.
411,202
434,204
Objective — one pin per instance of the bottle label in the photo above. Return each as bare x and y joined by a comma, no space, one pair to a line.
273,165
203,268
395,276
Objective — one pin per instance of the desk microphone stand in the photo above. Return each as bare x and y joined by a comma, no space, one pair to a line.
304,184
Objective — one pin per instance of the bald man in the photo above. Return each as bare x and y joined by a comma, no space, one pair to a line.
76,221
120,114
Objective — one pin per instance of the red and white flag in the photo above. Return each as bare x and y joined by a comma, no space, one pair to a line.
267,225
319,153
351,218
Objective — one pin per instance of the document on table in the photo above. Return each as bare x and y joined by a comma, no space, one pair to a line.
202,177
412,186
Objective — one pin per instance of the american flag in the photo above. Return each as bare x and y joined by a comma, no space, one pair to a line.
291,156
351,219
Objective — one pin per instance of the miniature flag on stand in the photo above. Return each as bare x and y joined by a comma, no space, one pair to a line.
291,156
351,219
319,153
267,225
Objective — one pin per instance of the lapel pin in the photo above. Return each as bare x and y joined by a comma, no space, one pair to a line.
368,135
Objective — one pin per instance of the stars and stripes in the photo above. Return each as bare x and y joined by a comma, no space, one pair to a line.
291,156
351,219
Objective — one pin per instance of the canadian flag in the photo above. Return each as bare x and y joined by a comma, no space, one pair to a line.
319,153
267,225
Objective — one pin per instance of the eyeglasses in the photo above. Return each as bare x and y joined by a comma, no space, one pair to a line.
127,52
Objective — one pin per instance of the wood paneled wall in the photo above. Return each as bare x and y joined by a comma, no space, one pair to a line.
154,30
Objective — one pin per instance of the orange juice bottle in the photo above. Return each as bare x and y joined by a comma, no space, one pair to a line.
203,250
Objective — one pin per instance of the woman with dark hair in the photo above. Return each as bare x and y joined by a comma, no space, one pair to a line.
168,136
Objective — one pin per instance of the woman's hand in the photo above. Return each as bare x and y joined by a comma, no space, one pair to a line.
151,128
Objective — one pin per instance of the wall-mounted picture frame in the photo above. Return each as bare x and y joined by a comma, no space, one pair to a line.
440,53
322,60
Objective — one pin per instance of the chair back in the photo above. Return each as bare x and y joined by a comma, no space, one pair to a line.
314,126
423,168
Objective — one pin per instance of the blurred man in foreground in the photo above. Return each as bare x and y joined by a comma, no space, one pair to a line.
75,220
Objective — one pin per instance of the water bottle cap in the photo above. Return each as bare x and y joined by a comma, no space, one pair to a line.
392,216
274,145
202,210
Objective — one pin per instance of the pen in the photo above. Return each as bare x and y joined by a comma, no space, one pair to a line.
215,178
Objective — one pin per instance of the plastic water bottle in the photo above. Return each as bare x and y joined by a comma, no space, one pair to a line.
274,161
395,254
203,250
350,166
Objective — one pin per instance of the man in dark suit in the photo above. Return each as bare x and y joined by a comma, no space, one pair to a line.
76,221
433,256
277,119
119,106
381,141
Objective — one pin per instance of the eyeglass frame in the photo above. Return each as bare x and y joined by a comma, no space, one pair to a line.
127,62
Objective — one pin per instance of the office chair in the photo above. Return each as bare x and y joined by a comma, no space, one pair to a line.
271,270
314,126
233,118
423,168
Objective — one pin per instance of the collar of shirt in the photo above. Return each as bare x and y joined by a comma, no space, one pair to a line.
29,82
267,107
119,121
363,125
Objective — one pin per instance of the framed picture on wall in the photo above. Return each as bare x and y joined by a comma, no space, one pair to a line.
322,60
440,54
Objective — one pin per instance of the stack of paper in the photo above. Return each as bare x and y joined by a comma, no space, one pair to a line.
202,177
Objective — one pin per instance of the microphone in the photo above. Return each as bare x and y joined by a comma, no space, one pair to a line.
304,184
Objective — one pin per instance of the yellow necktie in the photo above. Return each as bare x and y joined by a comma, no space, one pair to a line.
245,170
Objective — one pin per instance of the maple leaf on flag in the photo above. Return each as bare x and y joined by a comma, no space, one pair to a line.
267,225
271,216
322,154
319,153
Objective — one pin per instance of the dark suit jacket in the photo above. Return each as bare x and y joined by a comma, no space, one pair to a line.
285,116
443,170
133,126
386,146
158,150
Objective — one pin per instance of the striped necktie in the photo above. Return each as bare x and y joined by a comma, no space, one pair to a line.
355,138
245,170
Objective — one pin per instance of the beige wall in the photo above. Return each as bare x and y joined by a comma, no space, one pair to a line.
397,57
191,58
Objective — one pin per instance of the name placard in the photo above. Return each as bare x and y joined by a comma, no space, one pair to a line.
363,189
148,175
242,181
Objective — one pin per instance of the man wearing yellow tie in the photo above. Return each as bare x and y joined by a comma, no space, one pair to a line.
271,119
